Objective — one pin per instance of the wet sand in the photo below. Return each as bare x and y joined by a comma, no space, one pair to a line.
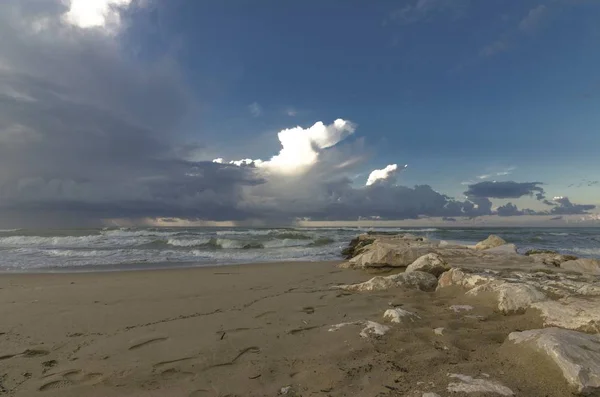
250,330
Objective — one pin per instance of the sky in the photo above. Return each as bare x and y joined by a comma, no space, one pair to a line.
239,111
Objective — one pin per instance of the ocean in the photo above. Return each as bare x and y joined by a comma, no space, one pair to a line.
24,250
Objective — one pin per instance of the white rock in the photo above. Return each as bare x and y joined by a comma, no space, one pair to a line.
378,283
507,249
581,314
396,315
461,308
439,331
459,277
512,297
285,390
373,328
429,263
431,395
490,242
419,280
468,384
388,255
583,265
576,354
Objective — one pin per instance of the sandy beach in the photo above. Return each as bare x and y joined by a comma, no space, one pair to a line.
250,330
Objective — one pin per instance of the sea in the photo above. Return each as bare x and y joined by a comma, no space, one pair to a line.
28,250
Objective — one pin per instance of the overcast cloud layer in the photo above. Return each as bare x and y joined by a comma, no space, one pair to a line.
88,133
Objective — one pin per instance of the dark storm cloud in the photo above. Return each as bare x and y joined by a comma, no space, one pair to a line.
505,190
565,207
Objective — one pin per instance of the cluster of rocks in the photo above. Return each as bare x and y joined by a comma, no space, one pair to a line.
564,289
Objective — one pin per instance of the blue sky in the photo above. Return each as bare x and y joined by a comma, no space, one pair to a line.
462,91
453,88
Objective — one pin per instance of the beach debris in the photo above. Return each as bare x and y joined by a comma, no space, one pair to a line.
490,242
576,354
396,315
469,384
461,308
430,263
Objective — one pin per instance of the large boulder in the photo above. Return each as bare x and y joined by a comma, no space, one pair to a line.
512,297
490,242
429,263
387,255
583,265
575,353
576,313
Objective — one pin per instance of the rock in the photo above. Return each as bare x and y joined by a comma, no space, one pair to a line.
583,265
387,255
461,308
396,315
431,395
468,384
429,263
419,280
507,249
416,279
576,354
439,331
461,278
512,297
490,242
373,328
378,283
357,245
337,327
581,314
549,258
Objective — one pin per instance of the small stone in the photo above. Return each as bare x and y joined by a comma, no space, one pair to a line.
396,315
439,331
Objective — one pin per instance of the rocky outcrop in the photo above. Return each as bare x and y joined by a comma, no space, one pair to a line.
382,255
583,265
463,278
576,313
429,263
490,242
419,280
575,353
357,245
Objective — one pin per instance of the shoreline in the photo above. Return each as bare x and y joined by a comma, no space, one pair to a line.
284,329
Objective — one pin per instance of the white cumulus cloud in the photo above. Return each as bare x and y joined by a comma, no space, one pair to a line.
300,147
386,174
94,13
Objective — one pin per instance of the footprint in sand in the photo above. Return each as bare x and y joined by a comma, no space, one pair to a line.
71,379
146,341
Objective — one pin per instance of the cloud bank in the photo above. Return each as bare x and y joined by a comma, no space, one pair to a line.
89,133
